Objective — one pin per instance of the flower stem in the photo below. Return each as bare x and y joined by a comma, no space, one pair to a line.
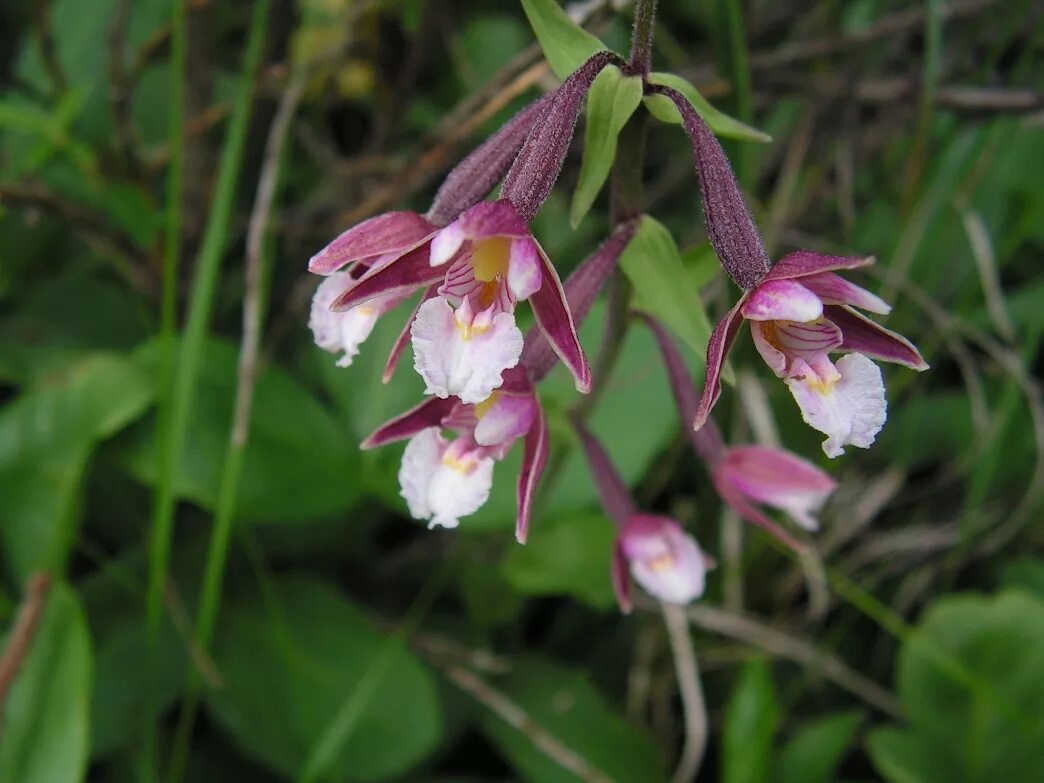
642,37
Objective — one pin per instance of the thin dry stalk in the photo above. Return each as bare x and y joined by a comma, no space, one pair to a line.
694,708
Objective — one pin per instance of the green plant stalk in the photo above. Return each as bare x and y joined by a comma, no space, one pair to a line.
740,67
164,492
201,303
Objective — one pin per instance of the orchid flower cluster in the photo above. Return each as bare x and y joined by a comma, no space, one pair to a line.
473,261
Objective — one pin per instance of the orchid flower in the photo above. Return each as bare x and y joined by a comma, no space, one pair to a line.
801,311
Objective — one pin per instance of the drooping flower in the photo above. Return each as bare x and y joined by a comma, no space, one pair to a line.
343,332
749,475
443,480
800,313
661,557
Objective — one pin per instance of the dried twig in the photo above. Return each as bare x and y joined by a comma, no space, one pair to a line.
694,708
21,636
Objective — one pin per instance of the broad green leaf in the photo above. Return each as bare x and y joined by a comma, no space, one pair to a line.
45,717
1026,573
969,680
288,665
571,555
663,109
610,103
565,704
663,286
751,720
566,45
814,753
299,462
46,437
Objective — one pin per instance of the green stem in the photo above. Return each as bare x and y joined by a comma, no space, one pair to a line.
740,63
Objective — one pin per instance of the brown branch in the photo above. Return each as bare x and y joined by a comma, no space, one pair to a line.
22,633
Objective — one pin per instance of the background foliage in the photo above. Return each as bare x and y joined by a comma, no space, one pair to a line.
352,645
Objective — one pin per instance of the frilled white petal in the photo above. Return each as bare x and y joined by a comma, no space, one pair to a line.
850,410
420,461
460,355
441,485
341,332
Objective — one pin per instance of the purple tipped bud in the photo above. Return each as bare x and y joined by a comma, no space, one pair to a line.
474,177
537,166
662,558
729,223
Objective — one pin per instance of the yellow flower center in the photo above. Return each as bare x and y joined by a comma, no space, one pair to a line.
489,259
661,563
460,465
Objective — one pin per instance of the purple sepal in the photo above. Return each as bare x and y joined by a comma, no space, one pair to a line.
533,174
735,499
392,232
729,223
403,339
807,262
616,499
718,346
581,290
556,322
706,441
474,177
402,275
621,577
861,335
429,413
534,460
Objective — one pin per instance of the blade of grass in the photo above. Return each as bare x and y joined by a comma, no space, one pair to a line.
182,385
740,73
164,492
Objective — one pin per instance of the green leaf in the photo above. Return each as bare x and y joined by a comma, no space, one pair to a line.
565,704
751,720
663,109
319,478
45,718
663,286
570,555
610,103
46,438
288,664
970,685
566,45
814,753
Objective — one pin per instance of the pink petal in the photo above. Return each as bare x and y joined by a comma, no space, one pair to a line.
780,479
773,356
861,335
429,413
835,290
392,232
664,559
534,460
404,338
509,418
446,243
524,268
781,300
738,503
401,276
492,219
718,346
806,262
556,322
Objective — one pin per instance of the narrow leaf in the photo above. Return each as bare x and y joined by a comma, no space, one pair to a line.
814,753
751,719
566,45
663,285
722,124
610,103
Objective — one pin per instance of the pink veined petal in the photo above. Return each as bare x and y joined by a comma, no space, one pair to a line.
861,335
534,460
806,262
524,268
401,276
850,411
835,290
718,347
621,579
392,232
429,413
773,356
460,281
404,338
781,300
463,359
780,479
508,419
556,322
